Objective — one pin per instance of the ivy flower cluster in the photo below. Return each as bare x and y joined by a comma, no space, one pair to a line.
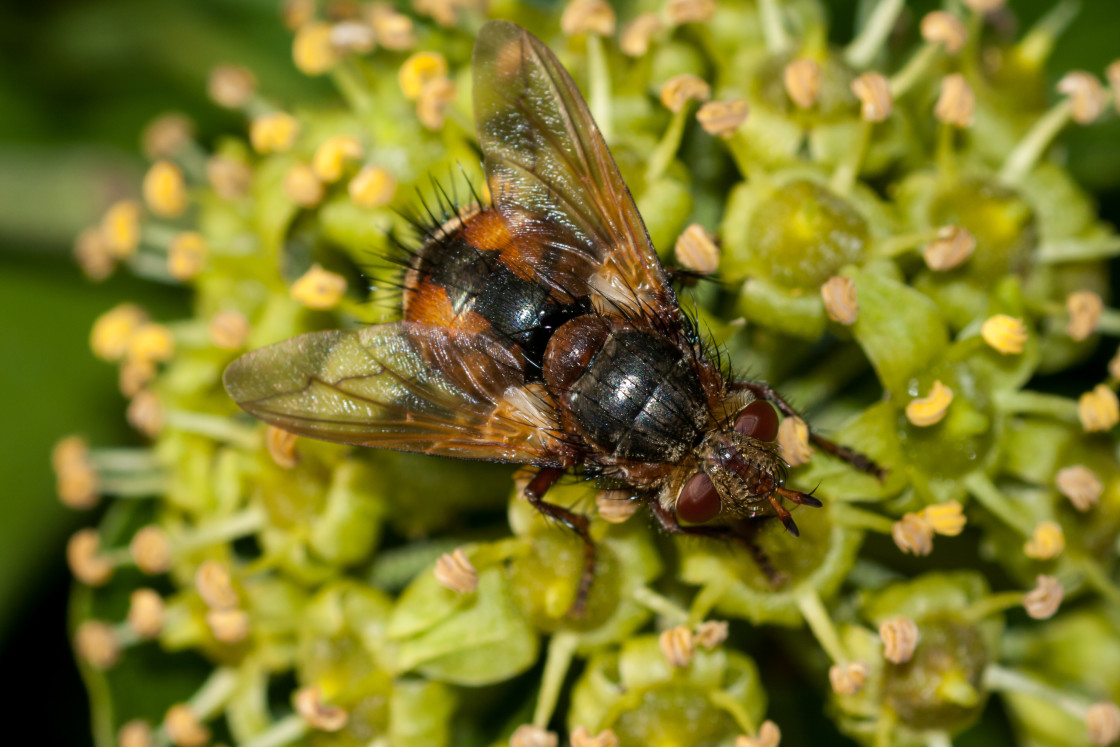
894,243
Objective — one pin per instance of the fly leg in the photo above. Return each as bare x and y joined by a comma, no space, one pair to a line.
545,478
851,456
668,521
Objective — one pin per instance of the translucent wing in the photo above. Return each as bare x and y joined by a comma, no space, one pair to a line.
402,386
554,181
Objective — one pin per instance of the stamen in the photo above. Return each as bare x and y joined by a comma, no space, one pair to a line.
308,702
637,35
229,330
120,228
1004,333
1043,600
722,118
839,295
581,737
769,735
913,535
333,154
275,132
166,135
528,735
678,646
680,12
793,441
616,506
1047,541
697,251
1098,410
711,633
164,189
312,50
232,86
454,571
587,17
930,409
146,613
802,79
1080,485
186,255
319,289
900,639
1085,309
302,186
373,187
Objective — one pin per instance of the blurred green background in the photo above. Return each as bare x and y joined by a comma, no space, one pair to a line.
78,81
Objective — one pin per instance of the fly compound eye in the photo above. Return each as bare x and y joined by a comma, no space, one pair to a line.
758,420
698,501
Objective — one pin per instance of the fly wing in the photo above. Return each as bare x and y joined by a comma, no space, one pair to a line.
555,183
403,386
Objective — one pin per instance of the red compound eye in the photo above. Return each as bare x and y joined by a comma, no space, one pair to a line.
759,420
698,501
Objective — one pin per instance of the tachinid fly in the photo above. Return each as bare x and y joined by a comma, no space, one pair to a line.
542,330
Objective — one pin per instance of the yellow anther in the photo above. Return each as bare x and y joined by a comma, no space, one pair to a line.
900,639
353,37
165,191
696,250
582,737
454,571
282,447
75,477
112,331
769,735
150,549
229,178
848,679
722,118
953,245
680,89
677,645
151,342
296,13
913,535
186,255
312,50
1043,600
1087,96
637,35
184,728
1102,723
166,135
616,506
302,186
135,375
946,519
802,79
680,12
957,104
93,256
145,413
418,70
435,98
940,27
319,289
308,702
229,626
97,644
874,93
146,613
394,30
1098,409
930,409
1080,485
528,735
372,187
229,330
231,86
793,441
83,555
711,633
214,584
985,6
1004,333
839,296
1085,308
136,733
1047,542
587,17
120,228
273,133
332,156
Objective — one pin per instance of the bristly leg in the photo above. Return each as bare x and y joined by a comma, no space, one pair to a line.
851,456
545,478
743,534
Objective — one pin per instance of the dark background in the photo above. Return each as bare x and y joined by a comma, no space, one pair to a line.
78,81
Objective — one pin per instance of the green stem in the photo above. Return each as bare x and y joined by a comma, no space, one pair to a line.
860,518
1026,154
352,85
1038,43
225,529
217,427
984,490
287,730
561,649
938,739
917,66
211,698
1006,680
1109,323
673,613
124,460
896,245
996,603
667,148
138,486
1096,577
812,609
871,38
773,27
848,168
600,84
1078,250
1035,403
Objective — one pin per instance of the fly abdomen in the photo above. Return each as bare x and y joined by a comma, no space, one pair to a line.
630,392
